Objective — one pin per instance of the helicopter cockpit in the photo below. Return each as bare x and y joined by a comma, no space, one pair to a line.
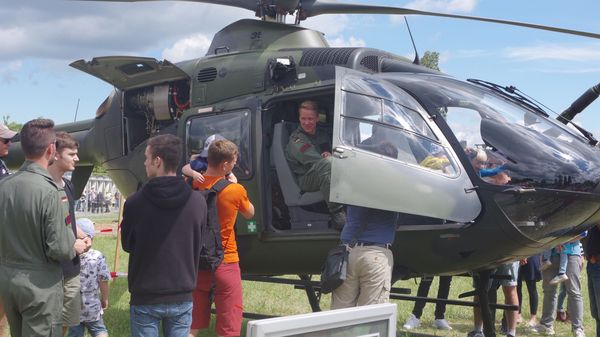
539,154
432,120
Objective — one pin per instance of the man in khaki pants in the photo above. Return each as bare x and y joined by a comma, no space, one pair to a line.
369,233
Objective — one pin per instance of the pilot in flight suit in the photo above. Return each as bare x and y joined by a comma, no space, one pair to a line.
309,157
35,234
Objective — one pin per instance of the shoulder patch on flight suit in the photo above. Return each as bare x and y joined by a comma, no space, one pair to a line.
305,147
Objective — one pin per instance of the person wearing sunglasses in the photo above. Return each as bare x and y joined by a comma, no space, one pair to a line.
6,135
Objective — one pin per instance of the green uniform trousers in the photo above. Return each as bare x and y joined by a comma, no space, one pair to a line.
318,178
32,301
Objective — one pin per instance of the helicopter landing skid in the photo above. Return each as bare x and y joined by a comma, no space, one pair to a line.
482,290
312,288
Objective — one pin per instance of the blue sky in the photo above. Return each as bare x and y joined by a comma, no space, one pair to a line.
39,38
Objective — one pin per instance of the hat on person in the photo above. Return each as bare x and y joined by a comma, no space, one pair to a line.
209,141
6,133
87,226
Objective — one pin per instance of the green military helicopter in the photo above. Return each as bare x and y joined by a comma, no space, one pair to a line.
248,88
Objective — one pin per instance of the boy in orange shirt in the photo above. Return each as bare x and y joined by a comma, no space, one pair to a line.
222,157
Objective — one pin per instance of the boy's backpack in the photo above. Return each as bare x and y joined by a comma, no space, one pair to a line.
211,248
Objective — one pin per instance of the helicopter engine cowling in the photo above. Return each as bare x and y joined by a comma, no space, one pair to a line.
159,101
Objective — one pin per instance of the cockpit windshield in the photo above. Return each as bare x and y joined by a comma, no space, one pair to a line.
535,151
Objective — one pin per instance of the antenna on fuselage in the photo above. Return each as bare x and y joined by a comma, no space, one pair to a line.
417,59
76,110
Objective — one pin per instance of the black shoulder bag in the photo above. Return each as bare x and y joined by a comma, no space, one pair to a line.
333,272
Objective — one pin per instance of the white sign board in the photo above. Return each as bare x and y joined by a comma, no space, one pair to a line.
377,320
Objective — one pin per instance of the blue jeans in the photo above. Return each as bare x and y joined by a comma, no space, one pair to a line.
593,272
176,319
562,267
95,328
562,294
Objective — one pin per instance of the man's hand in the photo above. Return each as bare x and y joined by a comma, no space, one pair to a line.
104,303
231,177
325,154
198,177
88,243
81,246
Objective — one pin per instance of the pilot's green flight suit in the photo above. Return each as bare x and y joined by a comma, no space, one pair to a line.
303,154
35,234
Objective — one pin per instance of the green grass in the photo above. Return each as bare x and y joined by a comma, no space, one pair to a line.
277,299
103,218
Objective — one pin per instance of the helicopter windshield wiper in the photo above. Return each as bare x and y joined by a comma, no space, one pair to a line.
512,93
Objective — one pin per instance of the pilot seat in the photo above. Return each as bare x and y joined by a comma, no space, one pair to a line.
301,216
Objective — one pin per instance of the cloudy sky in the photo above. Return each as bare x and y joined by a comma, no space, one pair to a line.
39,38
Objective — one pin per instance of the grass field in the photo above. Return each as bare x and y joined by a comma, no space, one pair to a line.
276,299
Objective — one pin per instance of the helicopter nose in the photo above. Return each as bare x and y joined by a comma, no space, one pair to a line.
555,181
544,160
544,216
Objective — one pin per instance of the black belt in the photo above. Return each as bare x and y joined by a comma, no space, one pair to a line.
370,244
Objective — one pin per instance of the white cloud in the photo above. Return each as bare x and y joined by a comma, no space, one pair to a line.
11,37
444,6
7,72
341,41
554,52
187,48
330,25
67,30
468,53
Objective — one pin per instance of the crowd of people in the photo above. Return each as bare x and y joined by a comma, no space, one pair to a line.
93,201
53,283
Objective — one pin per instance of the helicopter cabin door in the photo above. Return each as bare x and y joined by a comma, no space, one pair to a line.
388,153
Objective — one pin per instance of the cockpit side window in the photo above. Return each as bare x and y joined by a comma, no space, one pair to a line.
234,126
371,121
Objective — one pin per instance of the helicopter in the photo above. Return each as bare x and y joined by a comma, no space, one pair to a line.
248,87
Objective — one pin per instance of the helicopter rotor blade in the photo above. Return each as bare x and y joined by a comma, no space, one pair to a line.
318,7
309,8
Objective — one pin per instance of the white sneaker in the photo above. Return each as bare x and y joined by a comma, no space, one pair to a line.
412,322
545,265
442,324
558,279
543,330
578,332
